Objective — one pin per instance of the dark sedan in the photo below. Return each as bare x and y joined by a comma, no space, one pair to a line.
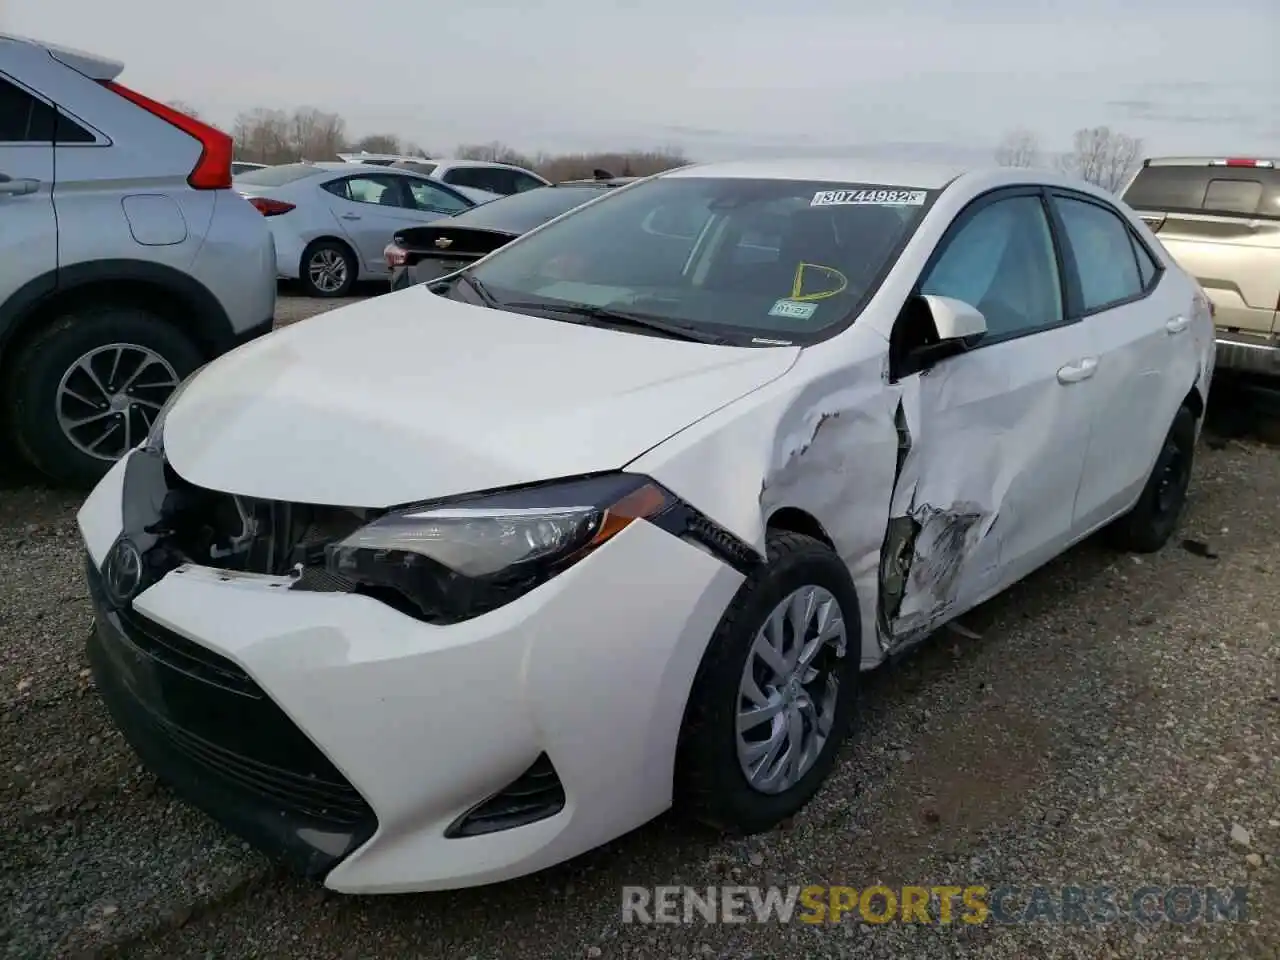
422,254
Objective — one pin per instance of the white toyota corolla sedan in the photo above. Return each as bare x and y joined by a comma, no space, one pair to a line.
454,584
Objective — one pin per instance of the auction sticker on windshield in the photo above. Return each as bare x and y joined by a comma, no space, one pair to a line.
879,198
793,309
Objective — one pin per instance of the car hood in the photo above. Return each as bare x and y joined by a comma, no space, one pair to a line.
411,396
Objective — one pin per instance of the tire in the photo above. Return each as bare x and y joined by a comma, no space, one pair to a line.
38,406
338,256
1149,525
711,783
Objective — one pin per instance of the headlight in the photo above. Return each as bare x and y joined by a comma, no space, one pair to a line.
155,437
450,561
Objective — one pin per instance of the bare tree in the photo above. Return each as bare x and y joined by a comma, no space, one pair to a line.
316,134
1102,157
1019,148
183,107
379,143
264,135
494,152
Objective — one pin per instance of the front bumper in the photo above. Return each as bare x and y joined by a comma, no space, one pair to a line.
201,724
420,723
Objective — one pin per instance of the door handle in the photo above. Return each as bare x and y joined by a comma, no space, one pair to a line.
1078,370
19,187
351,216
1177,324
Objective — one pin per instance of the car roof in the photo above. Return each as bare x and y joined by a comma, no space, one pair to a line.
355,157
348,169
600,182
90,64
833,170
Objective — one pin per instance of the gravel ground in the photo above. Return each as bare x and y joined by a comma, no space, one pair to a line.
1110,723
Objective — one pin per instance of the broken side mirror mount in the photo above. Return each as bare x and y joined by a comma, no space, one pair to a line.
957,326
955,319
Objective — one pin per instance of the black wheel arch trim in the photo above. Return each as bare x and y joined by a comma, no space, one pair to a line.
205,318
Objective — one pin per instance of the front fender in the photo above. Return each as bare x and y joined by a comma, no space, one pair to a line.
820,441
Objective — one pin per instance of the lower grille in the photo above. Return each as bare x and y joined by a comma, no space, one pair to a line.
199,722
535,795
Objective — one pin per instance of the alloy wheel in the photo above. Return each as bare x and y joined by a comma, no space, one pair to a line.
789,689
327,270
109,398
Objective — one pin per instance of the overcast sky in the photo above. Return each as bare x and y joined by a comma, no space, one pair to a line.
937,79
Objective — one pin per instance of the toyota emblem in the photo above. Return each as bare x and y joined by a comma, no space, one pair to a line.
122,572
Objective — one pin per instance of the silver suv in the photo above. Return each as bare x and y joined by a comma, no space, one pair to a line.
127,260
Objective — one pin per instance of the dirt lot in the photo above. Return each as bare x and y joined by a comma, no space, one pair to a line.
1114,722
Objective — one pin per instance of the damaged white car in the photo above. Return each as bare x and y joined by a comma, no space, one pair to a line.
454,584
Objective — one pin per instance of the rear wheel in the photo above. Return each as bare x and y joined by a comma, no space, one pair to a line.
1149,525
774,696
328,269
85,390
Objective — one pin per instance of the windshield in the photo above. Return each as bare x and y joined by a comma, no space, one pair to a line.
747,260
521,212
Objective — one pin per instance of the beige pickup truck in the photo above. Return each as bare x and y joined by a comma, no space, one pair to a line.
1220,219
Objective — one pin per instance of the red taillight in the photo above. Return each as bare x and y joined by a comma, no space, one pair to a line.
395,255
213,170
268,207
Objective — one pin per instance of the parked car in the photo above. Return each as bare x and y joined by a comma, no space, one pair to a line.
332,221
128,262
501,179
244,166
1220,219
418,254
466,584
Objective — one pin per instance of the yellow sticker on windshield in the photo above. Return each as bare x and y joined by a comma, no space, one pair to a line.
836,282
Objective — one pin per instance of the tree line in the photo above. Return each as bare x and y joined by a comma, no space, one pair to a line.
1099,155
264,135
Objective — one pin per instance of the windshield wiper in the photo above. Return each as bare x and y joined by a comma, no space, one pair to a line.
481,291
621,318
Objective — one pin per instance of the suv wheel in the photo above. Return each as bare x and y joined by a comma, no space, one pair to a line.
328,269
86,389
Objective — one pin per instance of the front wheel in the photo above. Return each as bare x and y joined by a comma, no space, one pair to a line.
774,696
1149,525
328,269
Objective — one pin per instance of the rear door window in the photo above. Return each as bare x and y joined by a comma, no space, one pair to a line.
1102,247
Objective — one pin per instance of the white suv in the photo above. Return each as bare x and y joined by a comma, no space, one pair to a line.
128,261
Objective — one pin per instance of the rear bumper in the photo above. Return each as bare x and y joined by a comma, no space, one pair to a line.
1248,354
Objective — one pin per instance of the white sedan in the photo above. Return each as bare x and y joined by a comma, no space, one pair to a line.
332,221
449,586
